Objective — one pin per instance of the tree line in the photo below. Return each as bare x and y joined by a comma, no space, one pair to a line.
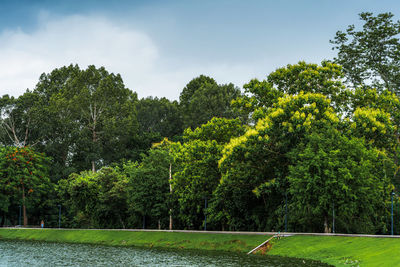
308,145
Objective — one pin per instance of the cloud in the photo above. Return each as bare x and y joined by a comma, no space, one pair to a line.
74,39
87,40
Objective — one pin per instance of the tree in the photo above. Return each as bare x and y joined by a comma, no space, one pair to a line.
19,121
96,199
25,174
371,56
158,118
203,99
81,118
331,172
255,165
197,174
291,80
101,114
375,116
148,187
57,134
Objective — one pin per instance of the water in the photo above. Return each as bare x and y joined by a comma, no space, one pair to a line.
23,253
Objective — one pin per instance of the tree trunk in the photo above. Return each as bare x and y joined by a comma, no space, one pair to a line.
121,221
93,166
326,227
170,191
159,225
94,141
24,207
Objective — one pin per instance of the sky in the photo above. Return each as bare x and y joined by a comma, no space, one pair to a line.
158,46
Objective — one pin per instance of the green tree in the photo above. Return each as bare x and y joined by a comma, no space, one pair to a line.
333,173
291,80
375,116
81,118
57,126
25,177
371,56
203,99
255,165
19,123
197,174
103,117
96,200
148,188
158,118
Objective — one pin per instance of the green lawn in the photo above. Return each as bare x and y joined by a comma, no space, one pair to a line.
203,241
341,251
335,250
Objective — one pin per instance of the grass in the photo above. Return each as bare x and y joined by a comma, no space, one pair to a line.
341,251
203,241
334,250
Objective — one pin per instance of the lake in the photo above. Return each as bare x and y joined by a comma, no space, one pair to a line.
25,253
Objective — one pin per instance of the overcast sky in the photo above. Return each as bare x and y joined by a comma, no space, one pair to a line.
159,46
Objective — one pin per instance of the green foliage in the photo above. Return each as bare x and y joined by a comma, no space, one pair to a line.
331,171
196,178
259,95
148,188
219,129
291,80
81,118
197,160
203,99
254,166
24,179
299,136
371,56
159,116
95,200
298,148
103,113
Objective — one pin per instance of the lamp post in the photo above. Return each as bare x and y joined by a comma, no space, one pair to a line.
59,216
392,212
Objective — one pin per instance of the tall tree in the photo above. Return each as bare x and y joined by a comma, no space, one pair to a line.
101,115
25,173
291,80
203,99
371,56
334,173
197,173
148,188
19,124
159,117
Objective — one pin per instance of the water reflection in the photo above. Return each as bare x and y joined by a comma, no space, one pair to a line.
22,253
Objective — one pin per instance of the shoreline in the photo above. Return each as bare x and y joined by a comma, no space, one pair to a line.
334,249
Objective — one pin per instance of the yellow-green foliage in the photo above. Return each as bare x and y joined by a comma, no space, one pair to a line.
295,113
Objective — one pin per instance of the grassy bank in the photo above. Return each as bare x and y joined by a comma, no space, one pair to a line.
203,241
334,250
341,251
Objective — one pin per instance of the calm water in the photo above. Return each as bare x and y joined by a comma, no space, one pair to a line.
21,253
